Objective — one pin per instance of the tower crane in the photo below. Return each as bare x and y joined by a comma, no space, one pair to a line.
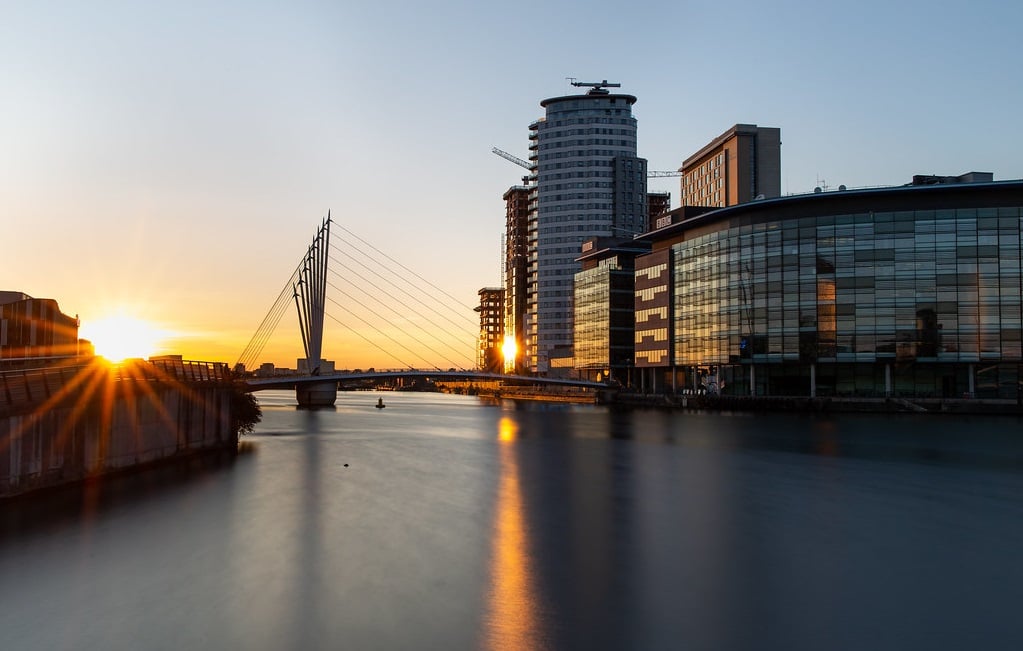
521,163
508,157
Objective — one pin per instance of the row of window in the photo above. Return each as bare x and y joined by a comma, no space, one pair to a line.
653,271
552,125
583,153
553,187
784,291
608,161
585,142
590,132
642,316
654,334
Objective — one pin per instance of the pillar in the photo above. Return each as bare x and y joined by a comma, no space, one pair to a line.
316,394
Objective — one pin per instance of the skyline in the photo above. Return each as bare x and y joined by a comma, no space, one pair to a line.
173,162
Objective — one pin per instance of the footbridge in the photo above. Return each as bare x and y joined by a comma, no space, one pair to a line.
407,319
340,380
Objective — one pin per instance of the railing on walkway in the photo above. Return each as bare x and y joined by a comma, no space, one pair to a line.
191,371
26,386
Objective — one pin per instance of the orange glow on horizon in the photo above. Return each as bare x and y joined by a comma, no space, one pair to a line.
121,336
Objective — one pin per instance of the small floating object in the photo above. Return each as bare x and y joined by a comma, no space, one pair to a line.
380,403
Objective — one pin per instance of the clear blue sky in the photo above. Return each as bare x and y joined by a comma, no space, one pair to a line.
176,157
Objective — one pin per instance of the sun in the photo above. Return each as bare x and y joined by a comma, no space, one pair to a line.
120,337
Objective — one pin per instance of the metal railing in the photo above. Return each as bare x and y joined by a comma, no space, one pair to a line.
26,386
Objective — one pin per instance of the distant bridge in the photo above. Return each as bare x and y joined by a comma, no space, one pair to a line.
296,381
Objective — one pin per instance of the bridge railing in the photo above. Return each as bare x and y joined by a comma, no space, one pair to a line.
192,371
22,387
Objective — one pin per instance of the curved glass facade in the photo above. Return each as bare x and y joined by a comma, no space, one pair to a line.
921,303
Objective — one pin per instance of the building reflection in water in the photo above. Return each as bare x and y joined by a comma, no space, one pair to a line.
512,618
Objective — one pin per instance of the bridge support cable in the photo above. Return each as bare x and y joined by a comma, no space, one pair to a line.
455,313
269,324
417,276
470,352
369,341
391,288
381,332
450,322
418,316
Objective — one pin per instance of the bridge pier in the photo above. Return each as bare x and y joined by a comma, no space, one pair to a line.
317,394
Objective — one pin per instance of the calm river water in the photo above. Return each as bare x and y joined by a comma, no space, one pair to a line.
442,522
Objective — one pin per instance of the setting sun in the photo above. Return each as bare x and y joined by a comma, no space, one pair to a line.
120,337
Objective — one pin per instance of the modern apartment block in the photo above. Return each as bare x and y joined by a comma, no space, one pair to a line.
516,265
740,165
589,183
491,310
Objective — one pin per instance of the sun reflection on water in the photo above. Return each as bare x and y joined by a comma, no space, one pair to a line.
511,620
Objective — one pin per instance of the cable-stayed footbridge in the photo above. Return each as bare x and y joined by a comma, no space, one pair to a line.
419,328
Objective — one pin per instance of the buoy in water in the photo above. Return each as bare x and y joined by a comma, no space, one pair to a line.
380,403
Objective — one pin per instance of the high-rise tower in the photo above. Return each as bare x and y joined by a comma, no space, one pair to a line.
589,183
516,264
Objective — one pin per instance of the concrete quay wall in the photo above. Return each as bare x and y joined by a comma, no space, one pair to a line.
110,423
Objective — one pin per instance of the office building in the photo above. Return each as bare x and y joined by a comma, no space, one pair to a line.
740,165
604,309
910,291
589,183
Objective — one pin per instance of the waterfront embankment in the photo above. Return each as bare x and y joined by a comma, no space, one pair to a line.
64,424
837,404
704,402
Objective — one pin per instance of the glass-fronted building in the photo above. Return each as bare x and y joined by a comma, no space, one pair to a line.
911,291
604,311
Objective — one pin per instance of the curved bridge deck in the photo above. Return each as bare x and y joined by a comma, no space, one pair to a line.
294,381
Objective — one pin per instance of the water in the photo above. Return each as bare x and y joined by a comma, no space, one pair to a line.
442,522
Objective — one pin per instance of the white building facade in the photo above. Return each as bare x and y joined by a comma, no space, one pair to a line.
589,183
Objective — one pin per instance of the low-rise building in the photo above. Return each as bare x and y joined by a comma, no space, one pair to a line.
34,329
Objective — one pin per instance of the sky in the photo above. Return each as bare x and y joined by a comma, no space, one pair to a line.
173,161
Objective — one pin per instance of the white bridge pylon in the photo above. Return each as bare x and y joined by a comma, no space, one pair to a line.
310,293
